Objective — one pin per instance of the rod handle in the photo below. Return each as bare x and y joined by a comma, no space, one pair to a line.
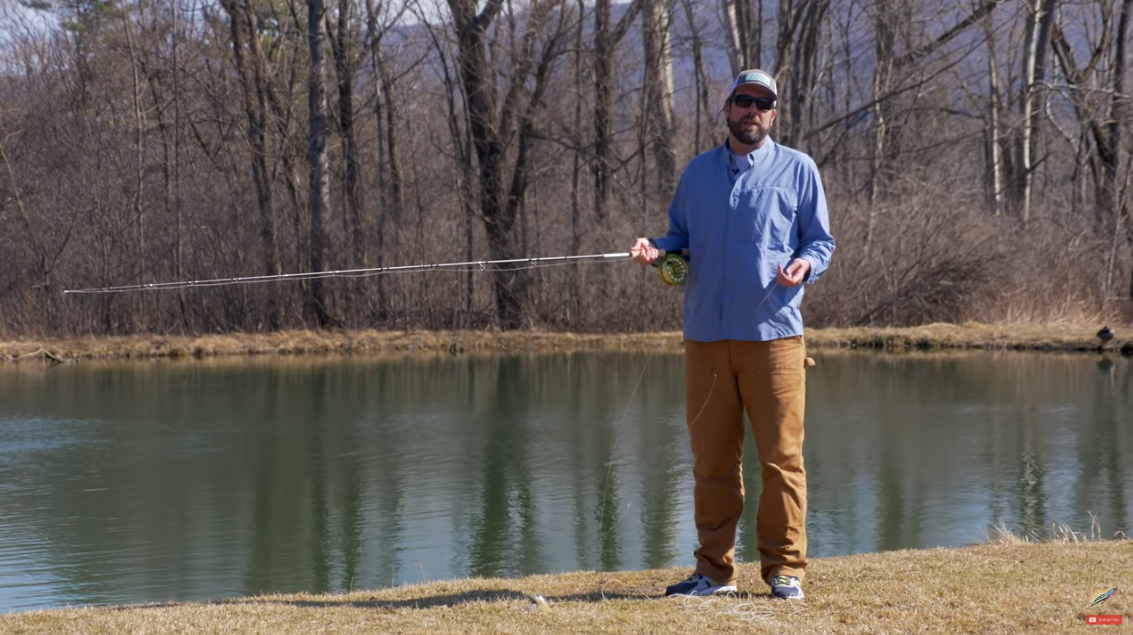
661,253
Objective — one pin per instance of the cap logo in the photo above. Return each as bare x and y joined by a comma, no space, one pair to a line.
755,77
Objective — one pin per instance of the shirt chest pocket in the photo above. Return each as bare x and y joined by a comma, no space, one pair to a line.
771,212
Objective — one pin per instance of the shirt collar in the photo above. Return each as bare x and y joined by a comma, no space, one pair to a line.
728,157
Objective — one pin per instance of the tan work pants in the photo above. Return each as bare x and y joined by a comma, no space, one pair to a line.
769,380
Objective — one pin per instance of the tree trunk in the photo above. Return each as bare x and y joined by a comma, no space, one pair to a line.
757,28
1102,129
702,80
655,22
344,65
746,29
494,124
47,305
1118,118
139,166
462,141
730,24
743,33
788,20
994,134
1036,40
255,112
390,196
575,315
179,226
605,43
393,146
884,41
804,70
317,182
603,104
478,79
467,196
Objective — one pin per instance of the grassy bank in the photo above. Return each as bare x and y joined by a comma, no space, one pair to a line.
931,337
1009,587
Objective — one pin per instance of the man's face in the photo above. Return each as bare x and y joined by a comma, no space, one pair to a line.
749,124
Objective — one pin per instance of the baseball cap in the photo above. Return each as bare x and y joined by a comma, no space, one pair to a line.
756,77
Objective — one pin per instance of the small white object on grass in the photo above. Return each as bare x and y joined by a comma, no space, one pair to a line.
540,604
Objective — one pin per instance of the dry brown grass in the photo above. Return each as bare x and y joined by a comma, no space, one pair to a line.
333,342
1000,587
368,342
971,335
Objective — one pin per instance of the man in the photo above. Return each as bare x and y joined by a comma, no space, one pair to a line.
752,215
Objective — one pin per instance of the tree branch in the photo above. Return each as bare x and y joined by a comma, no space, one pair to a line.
980,13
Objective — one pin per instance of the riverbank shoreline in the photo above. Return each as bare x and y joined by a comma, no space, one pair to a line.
996,587
934,337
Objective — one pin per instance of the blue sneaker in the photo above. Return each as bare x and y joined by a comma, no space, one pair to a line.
697,584
786,587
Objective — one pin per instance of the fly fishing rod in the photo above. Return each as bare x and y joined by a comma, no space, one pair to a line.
672,268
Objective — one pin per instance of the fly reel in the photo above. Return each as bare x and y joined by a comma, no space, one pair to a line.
673,269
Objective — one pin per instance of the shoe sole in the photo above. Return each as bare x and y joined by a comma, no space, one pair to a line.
720,590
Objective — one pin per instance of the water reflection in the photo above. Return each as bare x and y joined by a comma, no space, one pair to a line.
214,479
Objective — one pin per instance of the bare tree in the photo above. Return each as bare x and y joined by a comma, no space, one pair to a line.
800,70
391,197
139,151
658,87
46,256
342,39
318,184
494,122
175,72
885,21
605,43
742,26
242,23
193,142
892,68
1104,129
576,157
700,71
994,134
1121,116
462,142
1040,19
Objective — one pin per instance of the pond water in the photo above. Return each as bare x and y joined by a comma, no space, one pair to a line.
211,479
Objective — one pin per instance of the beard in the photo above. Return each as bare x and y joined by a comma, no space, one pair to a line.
747,135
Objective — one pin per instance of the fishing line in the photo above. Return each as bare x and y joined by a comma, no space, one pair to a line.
672,268
711,389
625,414
614,445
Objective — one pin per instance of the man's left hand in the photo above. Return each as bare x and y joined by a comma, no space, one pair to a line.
794,274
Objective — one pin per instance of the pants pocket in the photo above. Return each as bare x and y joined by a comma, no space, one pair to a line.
786,356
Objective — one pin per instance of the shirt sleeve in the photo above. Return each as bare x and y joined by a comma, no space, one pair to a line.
816,244
677,237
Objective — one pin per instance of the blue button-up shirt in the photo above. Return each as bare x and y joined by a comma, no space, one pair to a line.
738,226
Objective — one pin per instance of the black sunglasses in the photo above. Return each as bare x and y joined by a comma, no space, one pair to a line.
745,101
